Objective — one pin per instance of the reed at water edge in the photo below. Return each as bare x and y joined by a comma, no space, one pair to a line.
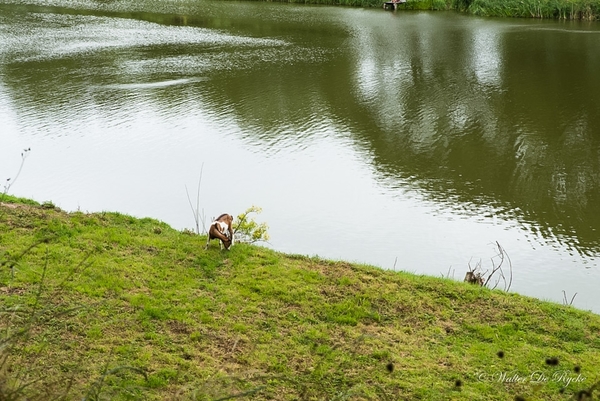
550,9
554,9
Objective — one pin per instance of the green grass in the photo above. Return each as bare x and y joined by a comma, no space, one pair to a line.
107,306
554,9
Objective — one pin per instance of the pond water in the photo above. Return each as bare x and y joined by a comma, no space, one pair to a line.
408,140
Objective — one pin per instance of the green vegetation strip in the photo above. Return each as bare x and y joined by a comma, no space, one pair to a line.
107,306
555,9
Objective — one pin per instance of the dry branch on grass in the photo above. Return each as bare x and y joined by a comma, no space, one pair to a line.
476,275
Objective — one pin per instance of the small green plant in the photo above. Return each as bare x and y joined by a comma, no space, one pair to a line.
48,205
247,230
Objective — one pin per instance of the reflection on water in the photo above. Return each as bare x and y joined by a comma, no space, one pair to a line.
476,119
152,85
486,57
454,128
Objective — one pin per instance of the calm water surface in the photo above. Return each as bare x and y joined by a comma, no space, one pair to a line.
411,141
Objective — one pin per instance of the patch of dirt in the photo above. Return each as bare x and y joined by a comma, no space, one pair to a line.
11,205
178,327
12,291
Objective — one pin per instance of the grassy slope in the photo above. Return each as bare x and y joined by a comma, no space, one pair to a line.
212,324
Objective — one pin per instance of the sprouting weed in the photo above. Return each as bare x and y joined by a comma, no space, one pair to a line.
246,229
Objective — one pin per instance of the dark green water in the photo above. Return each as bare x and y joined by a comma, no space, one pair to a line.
410,139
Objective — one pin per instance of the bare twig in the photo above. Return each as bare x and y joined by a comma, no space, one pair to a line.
448,274
10,182
503,256
234,345
476,275
240,223
196,210
565,302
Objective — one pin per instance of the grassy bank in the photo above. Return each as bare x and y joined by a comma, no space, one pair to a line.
105,306
554,9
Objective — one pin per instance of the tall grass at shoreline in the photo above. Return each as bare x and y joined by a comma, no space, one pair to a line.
588,10
548,9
